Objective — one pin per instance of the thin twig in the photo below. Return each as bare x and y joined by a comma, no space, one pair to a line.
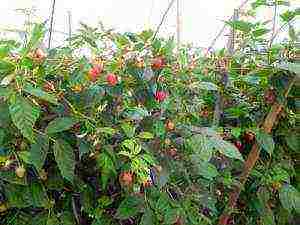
163,18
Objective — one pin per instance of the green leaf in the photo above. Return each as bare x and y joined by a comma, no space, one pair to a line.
4,50
236,132
35,38
168,48
240,25
148,217
227,149
24,156
217,142
207,170
107,130
268,218
146,135
65,158
67,218
292,67
293,34
163,203
5,92
11,177
260,32
84,147
103,219
40,219
290,198
6,67
24,115
265,141
53,220
17,196
107,166
293,141
39,93
2,136
7,80
136,113
39,196
146,34
288,15
128,129
38,152
60,124
129,207
208,86
201,145
171,216
104,201
131,145
87,199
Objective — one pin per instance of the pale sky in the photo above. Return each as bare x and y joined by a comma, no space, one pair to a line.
201,20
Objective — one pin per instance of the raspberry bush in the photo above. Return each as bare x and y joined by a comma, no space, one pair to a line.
118,128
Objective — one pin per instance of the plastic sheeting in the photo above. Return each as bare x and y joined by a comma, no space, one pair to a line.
200,20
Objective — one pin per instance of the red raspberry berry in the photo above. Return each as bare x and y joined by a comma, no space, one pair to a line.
170,125
126,178
40,54
239,145
112,79
249,137
270,96
49,86
95,72
158,63
160,96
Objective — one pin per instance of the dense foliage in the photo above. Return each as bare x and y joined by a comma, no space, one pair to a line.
119,129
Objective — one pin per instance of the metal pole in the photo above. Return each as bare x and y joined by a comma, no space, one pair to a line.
219,105
70,25
163,18
231,40
273,25
178,18
223,28
51,23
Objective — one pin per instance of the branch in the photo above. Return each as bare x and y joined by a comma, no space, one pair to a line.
253,157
